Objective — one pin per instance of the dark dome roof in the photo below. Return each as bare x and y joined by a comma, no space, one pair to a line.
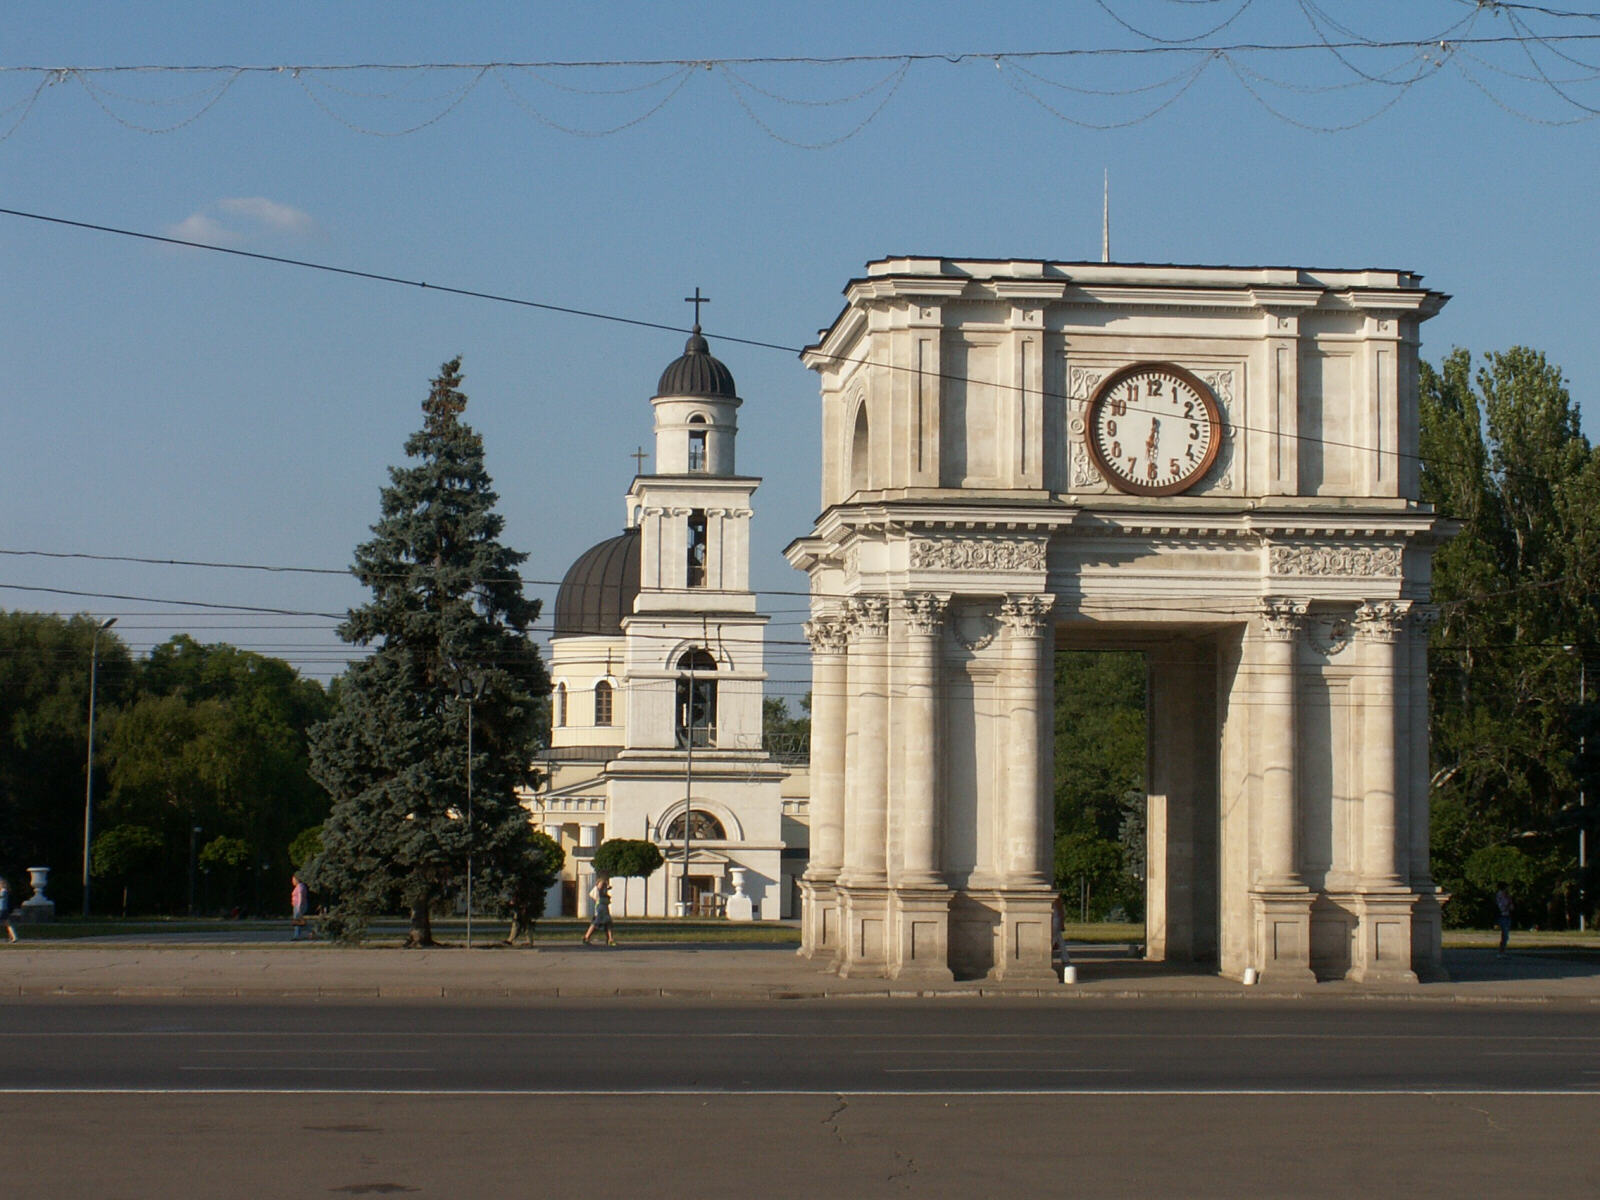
600,588
697,373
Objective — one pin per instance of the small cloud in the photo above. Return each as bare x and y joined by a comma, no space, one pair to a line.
201,228
237,219
280,218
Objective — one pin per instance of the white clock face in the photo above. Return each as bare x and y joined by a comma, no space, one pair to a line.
1153,429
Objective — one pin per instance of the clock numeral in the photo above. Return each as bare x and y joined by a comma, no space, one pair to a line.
1150,470
1194,432
1132,463
1119,406
1189,454
1188,410
1155,386
1173,468
1116,449
1111,429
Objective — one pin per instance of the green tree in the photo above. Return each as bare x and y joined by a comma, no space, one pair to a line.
44,715
627,858
307,845
446,600
129,855
1099,778
518,890
786,737
1504,455
228,859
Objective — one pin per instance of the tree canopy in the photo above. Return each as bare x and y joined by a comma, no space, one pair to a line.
447,618
1503,454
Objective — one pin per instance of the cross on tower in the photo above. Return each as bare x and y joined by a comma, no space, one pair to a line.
697,300
639,456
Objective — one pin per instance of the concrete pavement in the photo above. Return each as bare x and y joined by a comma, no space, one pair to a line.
566,969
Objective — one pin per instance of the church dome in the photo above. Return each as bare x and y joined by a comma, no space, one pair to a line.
697,373
599,589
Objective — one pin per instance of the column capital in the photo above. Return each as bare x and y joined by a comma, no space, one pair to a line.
924,612
1380,620
1282,618
828,633
869,615
1025,615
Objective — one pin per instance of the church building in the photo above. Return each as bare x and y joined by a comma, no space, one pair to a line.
657,665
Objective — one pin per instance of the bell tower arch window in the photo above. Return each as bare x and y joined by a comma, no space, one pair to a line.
696,719
860,452
697,548
561,705
697,443
602,703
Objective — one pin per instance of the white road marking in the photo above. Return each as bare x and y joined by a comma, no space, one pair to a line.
573,1093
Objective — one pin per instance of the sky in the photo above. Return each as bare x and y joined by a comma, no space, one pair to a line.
166,403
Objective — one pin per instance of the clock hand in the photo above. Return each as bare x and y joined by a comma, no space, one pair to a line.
1155,438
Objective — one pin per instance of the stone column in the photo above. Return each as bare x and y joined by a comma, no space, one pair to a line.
1427,917
1281,621
1024,619
866,783
1377,628
1383,920
1281,899
863,885
919,674
830,710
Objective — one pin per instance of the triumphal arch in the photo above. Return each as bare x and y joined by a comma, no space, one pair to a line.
1215,466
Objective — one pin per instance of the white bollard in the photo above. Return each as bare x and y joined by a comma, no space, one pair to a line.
1069,974
1250,977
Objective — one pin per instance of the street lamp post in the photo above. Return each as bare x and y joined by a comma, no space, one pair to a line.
1583,832
88,771
470,686
194,834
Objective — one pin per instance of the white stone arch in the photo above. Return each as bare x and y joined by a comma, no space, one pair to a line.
727,817
859,456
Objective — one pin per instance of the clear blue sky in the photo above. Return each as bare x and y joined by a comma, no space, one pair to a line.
177,404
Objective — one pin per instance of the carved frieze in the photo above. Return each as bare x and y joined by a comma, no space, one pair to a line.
977,554
1324,560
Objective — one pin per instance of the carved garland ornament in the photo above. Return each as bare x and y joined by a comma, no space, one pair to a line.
1310,559
977,554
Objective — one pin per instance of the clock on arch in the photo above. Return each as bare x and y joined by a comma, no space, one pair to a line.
1153,429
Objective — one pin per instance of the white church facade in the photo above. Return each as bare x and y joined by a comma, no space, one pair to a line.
657,664
1214,466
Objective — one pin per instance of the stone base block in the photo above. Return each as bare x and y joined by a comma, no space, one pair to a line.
819,918
1383,946
1283,935
1022,952
864,931
921,935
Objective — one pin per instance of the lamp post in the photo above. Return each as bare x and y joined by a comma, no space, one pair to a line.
194,834
470,686
88,771
1583,832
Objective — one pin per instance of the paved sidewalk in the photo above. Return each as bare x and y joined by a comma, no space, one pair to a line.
566,969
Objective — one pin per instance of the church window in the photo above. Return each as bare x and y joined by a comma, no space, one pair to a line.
602,703
697,443
561,704
703,827
696,720
697,548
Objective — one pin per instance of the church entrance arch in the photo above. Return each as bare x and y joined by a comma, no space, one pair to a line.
1213,466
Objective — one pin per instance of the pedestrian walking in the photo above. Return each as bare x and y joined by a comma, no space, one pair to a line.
300,906
601,895
5,911
1504,908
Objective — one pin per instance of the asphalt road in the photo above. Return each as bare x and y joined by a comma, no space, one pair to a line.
959,1098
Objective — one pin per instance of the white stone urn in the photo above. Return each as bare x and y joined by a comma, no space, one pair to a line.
39,907
739,906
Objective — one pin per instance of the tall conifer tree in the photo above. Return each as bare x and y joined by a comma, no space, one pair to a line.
446,606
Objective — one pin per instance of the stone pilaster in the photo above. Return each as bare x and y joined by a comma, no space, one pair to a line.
863,879
1281,900
1383,947
830,712
1025,620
